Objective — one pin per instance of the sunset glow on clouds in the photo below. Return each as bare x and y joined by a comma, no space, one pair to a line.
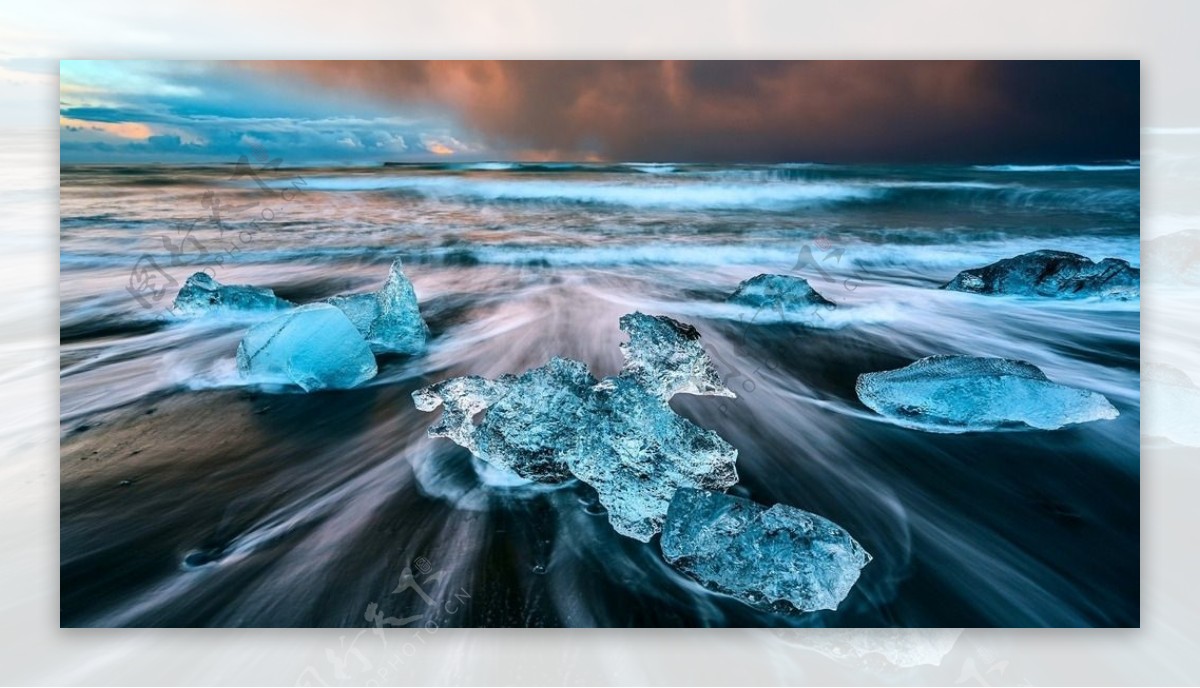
369,112
190,112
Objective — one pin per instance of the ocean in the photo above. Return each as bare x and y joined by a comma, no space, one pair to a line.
189,498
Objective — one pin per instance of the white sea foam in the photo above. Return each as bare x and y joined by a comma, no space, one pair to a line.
688,195
488,166
1059,168
652,167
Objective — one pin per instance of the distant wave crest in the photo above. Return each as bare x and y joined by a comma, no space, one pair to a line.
696,195
1060,168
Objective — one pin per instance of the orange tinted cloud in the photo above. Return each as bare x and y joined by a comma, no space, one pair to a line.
837,110
125,130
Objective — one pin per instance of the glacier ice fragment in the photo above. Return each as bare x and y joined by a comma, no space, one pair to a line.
665,357
636,452
314,346
781,293
531,422
399,326
202,294
361,309
968,393
389,319
778,559
619,435
1052,274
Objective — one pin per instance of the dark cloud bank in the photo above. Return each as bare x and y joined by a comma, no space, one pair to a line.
836,111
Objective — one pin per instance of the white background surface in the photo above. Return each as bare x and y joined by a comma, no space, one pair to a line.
33,36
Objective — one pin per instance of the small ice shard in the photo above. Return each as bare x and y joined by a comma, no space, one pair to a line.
1170,404
665,356
390,319
781,293
619,435
314,346
399,326
462,398
202,294
531,422
967,393
1052,274
636,452
780,559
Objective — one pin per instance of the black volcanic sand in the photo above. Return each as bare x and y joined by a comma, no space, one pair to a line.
1001,528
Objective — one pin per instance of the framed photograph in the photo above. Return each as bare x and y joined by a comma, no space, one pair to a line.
600,344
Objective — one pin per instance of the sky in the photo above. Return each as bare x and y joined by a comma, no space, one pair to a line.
364,112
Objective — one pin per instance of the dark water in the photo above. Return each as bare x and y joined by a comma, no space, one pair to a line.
191,499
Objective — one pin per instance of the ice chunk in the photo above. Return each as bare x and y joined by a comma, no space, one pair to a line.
399,326
618,435
201,294
968,393
778,559
531,422
314,346
665,356
636,452
1054,274
780,293
1170,404
462,397
390,319
361,309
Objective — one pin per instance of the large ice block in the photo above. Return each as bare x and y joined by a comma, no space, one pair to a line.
1055,274
618,435
314,346
778,559
636,452
968,393
532,420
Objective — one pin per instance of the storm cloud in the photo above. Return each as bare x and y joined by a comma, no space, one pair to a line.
836,111
821,111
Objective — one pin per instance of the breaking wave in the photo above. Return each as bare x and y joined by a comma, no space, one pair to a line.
1060,168
699,196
